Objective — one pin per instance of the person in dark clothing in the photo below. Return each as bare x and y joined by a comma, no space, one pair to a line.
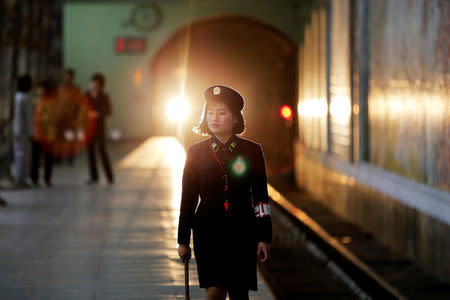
44,128
231,222
99,102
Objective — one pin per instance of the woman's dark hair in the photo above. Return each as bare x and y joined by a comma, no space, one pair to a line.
24,83
47,85
70,72
202,127
99,77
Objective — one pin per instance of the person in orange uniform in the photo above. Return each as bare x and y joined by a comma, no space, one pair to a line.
231,221
69,102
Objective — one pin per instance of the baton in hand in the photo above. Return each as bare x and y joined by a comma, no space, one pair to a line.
186,278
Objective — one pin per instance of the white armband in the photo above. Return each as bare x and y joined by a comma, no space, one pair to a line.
262,209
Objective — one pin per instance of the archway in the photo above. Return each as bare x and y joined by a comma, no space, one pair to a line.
253,58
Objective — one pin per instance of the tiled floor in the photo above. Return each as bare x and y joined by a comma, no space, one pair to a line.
100,242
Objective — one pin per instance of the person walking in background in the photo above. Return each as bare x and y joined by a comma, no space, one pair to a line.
69,102
22,131
44,135
101,106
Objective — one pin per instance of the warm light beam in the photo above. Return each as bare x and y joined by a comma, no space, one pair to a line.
177,109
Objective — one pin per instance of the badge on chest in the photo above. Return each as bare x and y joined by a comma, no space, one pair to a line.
231,147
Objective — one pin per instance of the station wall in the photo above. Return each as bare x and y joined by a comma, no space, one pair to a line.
90,29
374,121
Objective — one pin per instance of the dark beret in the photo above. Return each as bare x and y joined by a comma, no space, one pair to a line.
225,94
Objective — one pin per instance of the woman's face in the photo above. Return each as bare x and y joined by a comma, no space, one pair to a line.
40,91
95,86
220,118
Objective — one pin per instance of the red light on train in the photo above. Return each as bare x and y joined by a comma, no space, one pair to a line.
286,112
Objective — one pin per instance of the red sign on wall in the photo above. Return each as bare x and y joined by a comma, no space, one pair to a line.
131,45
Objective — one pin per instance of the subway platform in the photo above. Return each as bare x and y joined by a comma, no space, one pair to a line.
75,241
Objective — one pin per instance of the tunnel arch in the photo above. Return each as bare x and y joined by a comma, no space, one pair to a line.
253,57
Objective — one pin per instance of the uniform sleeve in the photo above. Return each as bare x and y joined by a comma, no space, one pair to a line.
261,199
189,199
108,108
27,109
82,118
20,106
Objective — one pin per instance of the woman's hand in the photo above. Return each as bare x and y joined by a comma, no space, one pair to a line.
264,250
184,252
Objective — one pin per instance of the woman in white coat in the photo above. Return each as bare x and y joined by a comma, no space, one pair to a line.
22,131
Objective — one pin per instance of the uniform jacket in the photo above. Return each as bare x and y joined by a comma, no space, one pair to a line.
225,240
69,101
46,119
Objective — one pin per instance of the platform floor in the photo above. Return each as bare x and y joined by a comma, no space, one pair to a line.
74,241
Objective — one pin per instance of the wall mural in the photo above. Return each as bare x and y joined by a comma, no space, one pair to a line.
340,92
409,103
312,84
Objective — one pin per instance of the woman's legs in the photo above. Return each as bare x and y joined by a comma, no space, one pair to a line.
22,159
35,161
238,294
48,168
215,293
92,161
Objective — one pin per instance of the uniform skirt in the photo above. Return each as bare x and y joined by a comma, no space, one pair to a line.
225,251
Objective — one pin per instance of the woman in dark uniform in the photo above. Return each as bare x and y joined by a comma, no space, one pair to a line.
231,221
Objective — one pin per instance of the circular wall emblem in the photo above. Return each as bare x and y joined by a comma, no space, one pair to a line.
145,17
